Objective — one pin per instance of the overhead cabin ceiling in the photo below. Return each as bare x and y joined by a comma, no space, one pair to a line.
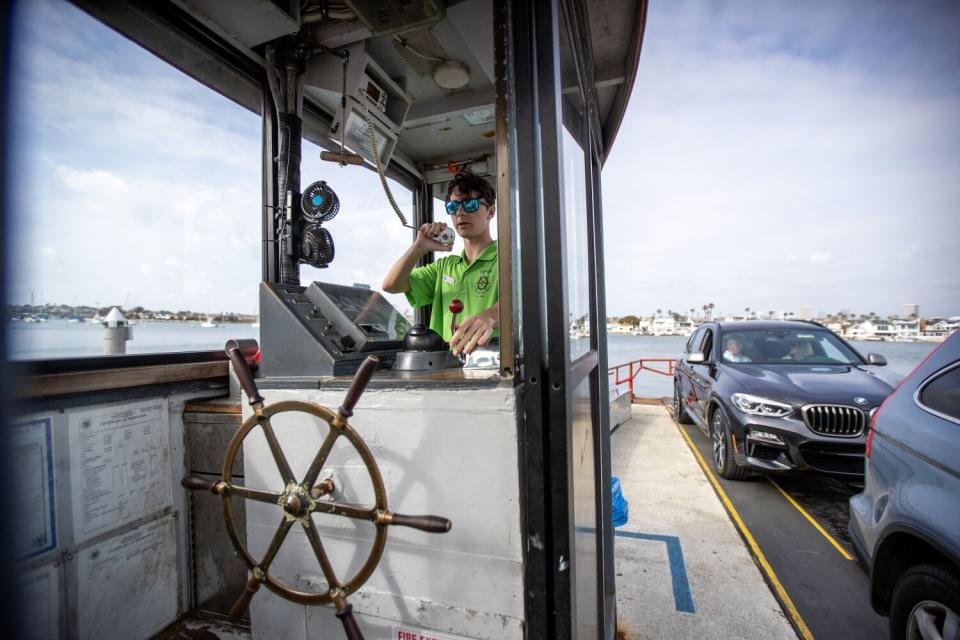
616,34
221,42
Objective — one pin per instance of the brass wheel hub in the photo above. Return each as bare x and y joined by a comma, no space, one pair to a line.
296,502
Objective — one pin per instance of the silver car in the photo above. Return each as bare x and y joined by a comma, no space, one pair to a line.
905,526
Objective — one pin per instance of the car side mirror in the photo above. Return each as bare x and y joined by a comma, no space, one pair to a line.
695,358
877,359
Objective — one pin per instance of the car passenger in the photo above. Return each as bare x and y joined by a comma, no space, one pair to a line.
799,350
734,352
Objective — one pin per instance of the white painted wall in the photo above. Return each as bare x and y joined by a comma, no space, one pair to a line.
451,453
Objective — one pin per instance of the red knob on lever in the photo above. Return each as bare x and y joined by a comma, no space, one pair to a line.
456,306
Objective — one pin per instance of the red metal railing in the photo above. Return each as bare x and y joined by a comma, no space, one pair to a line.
636,366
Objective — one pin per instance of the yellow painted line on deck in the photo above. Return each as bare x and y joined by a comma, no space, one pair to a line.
795,618
811,520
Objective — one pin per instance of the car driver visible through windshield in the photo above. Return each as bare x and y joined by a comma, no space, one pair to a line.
758,346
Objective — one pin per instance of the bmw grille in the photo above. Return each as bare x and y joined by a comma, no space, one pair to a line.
835,420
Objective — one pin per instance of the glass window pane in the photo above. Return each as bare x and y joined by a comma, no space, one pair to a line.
707,346
367,234
132,186
786,346
943,394
578,273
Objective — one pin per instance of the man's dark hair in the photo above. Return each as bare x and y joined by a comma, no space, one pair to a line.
468,183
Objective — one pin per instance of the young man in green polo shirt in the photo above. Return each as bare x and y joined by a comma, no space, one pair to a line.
471,277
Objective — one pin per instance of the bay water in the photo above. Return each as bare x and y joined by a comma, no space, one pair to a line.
64,339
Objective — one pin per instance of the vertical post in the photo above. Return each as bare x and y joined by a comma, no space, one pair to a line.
10,617
422,214
270,270
540,606
632,397
505,217
116,333
288,177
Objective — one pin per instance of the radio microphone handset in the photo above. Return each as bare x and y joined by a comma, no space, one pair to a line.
445,236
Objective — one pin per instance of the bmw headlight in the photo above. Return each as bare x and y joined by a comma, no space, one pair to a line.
757,406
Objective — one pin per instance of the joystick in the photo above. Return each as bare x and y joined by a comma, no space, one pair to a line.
424,350
456,306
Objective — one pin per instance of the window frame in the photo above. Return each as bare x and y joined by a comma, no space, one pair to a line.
689,345
707,355
232,75
918,394
693,344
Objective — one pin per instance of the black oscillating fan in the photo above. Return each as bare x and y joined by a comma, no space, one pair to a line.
319,203
316,247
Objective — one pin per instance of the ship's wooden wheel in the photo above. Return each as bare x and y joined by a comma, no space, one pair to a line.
298,500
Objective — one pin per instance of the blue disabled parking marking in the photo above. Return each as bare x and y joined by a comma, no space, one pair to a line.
682,597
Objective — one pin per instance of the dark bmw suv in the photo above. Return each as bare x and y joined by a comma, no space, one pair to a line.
778,396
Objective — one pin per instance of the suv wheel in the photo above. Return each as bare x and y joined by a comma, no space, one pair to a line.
925,604
679,408
723,461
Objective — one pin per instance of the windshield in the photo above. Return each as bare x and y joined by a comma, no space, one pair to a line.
786,346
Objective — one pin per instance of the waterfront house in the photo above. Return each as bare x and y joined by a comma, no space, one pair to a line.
871,330
941,328
906,330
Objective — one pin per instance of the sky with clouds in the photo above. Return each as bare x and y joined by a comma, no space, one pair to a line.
135,185
781,154
773,155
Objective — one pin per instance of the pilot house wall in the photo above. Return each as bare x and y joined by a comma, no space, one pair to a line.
101,534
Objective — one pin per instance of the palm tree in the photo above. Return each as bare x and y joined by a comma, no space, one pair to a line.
746,311
659,311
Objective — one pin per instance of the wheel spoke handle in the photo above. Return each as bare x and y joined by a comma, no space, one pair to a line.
257,495
253,585
346,510
360,381
325,487
430,524
196,483
235,349
350,626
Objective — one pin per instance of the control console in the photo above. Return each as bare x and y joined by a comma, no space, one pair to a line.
325,329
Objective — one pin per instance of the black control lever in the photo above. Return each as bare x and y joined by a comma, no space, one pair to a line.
236,350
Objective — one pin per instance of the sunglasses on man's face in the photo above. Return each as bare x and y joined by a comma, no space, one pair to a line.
469,206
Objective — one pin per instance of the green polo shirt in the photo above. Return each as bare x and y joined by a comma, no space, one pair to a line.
475,284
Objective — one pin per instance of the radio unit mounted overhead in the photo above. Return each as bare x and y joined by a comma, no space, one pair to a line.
386,103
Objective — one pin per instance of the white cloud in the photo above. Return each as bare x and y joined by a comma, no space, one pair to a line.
160,241
819,257
765,141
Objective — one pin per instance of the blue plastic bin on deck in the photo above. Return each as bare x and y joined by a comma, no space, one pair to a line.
621,509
